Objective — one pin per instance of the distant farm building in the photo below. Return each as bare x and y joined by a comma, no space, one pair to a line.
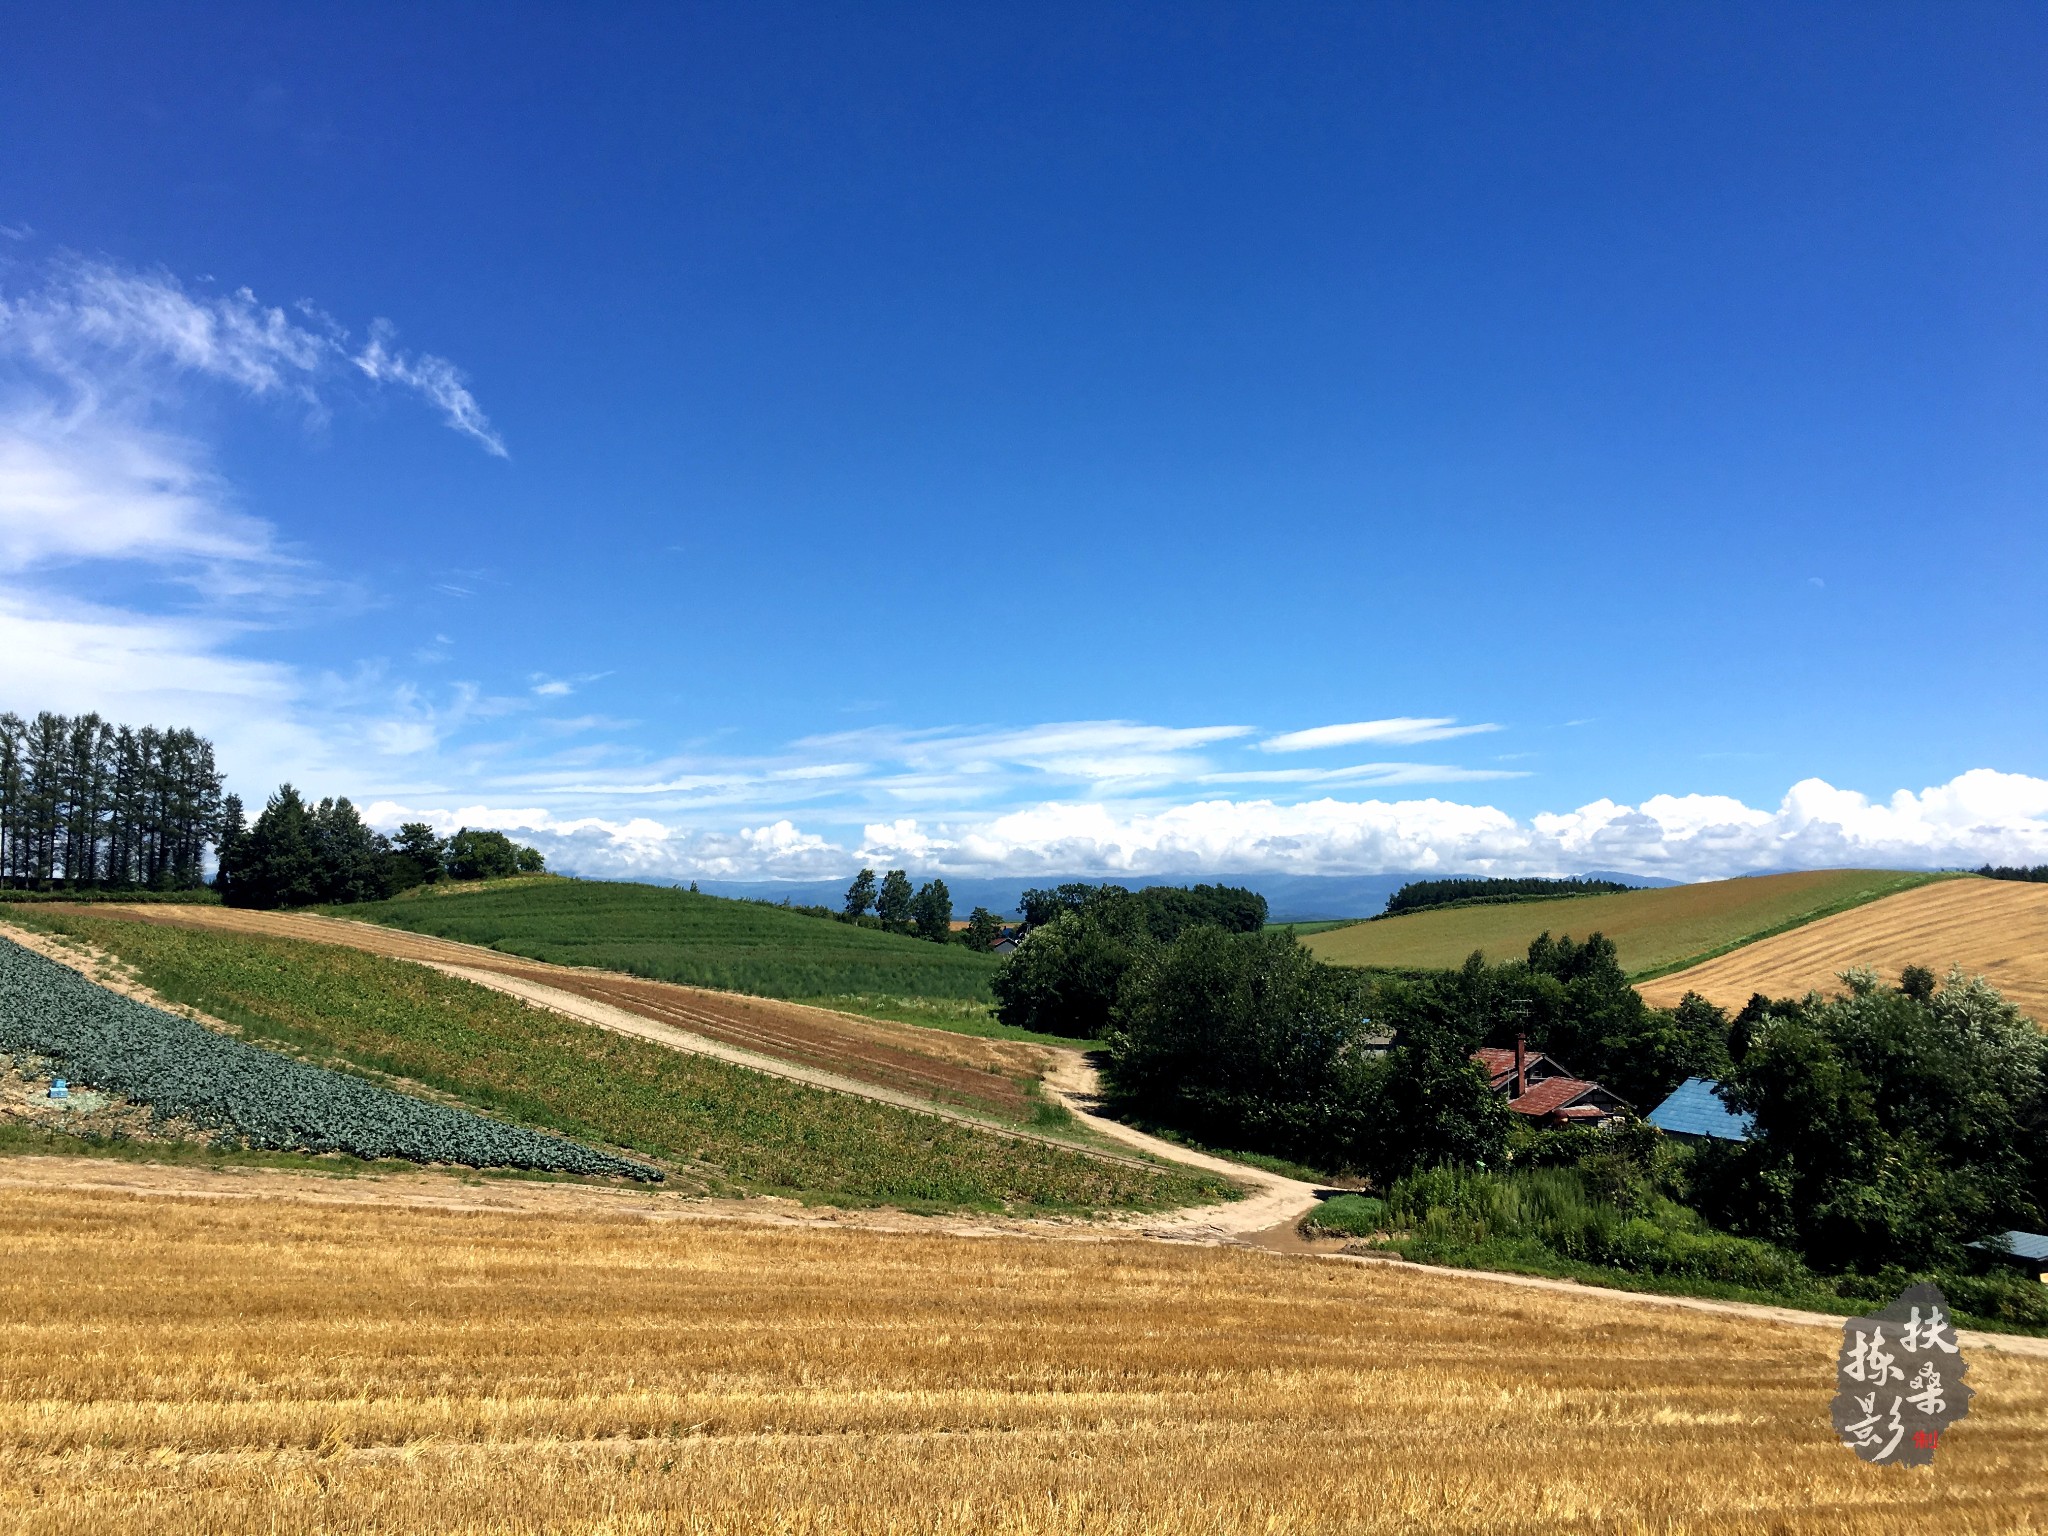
2027,1251
1544,1089
1694,1112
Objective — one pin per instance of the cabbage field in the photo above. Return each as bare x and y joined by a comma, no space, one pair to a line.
180,1069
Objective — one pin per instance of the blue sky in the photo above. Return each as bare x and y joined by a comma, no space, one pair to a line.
755,440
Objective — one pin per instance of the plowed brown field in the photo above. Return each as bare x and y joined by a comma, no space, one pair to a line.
988,1075
1998,928
178,1367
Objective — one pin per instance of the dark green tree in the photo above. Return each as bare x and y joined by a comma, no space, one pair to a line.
1426,1103
860,896
419,854
1041,906
932,910
1889,1128
1065,977
234,826
477,854
277,864
893,904
354,863
1241,1040
982,932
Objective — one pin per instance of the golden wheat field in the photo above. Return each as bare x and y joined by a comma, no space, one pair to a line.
1650,928
256,1366
1995,927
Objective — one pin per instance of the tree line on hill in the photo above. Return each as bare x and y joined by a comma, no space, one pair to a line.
894,907
88,804
301,854
1420,895
2038,873
1893,1125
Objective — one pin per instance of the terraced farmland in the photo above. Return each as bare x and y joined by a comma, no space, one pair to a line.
1654,930
719,1126
1994,927
982,1074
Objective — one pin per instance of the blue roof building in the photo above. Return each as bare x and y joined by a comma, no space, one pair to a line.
2025,1250
1694,1111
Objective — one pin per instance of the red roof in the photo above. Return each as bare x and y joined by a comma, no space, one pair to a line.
1499,1064
1496,1059
1551,1095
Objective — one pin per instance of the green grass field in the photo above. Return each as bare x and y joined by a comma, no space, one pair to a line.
1318,925
703,941
1655,930
720,1127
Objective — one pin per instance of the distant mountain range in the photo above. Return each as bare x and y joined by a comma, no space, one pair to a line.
1291,898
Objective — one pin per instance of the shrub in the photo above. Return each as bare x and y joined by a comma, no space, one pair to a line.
1543,1213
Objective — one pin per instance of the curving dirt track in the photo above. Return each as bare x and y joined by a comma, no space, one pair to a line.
1996,928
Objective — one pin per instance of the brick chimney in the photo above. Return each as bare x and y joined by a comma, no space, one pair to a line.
1521,1065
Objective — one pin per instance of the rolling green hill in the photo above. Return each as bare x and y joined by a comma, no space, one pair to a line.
666,934
1654,930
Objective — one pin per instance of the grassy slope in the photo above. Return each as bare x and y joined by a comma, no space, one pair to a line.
1655,930
736,1129
670,935
1319,925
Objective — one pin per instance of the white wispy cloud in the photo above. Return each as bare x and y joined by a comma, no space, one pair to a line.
435,377
547,687
77,486
1110,753
110,332
101,490
1363,774
1399,731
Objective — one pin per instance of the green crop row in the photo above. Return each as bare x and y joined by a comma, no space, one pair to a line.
182,1070
744,1130
681,936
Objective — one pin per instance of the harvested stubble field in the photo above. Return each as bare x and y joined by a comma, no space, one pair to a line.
186,1367
718,1127
984,1075
1996,928
1652,930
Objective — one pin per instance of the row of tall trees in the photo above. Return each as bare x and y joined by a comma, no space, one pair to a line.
88,803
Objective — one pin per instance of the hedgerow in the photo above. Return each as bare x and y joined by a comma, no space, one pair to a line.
182,1070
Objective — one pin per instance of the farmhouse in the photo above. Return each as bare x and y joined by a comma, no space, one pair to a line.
1694,1112
1544,1089
2024,1251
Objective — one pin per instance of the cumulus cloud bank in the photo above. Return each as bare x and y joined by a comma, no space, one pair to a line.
1978,817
